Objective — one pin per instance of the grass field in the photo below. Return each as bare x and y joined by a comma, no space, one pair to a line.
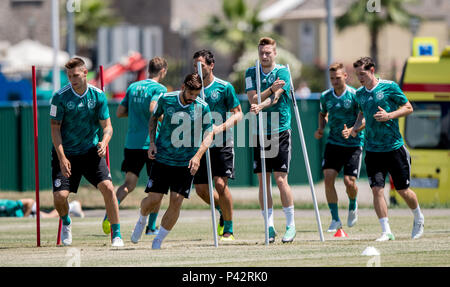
191,242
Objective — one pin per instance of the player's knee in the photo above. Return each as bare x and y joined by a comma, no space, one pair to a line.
378,191
350,181
220,185
59,198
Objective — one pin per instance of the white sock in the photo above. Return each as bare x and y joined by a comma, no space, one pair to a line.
385,225
270,215
418,215
289,212
162,233
142,218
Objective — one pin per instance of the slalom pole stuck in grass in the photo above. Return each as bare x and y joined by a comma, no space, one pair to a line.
262,154
36,158
208,167
305,155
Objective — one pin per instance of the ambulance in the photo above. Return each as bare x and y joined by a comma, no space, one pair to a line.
426,83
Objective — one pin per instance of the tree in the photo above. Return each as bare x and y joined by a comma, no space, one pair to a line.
93,15
237,29
389,12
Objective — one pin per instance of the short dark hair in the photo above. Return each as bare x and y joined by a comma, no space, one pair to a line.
156,64
193,82
206,54
75,62
365,62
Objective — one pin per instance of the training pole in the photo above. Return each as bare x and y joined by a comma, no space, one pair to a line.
102,87
305,155
36,158
208,167
262,155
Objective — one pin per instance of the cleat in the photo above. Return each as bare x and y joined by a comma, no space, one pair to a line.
417,231
334,226
220,226
156,244
227,237
137,232
149,231
66,235
75,209
289,235
117,242
272,234
352,216
106,226
385,237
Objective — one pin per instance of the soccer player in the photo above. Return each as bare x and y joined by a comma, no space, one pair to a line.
184,136
222,99
26,207
77,113
338,107
275,88
137,105
381,103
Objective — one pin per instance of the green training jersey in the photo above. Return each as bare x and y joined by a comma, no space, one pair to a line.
137,101
282,107
341,110
221,98
182,128
381,136
79,116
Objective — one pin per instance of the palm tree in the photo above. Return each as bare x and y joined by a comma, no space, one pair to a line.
392,12
93,15
237,29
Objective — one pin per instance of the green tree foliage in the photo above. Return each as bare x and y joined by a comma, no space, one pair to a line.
391,12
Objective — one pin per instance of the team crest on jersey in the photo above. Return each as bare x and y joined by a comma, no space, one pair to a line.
91,104
170,111
271,78
214,95
70,105
347,104
380,95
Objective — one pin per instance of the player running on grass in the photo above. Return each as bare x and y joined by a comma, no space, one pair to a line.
77,113
338,107
275,87
177,153
137,105
382,102
222,99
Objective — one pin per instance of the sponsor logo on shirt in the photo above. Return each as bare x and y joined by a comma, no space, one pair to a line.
380,95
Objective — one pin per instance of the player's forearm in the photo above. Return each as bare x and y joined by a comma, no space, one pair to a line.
359,123
322,121
231,121
153,124
403,111
206,143
107,134
57,139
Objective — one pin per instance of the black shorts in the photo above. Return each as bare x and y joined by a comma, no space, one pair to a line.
166,177
397,163
222,164
278,162
89,165
134,160
336,157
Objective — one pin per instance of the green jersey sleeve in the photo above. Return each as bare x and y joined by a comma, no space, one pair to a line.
397,95
283,74
103,111
159,109
250,79
231,100
158,93
322,102
124,101
56,108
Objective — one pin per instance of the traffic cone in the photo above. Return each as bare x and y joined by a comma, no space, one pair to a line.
340,233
